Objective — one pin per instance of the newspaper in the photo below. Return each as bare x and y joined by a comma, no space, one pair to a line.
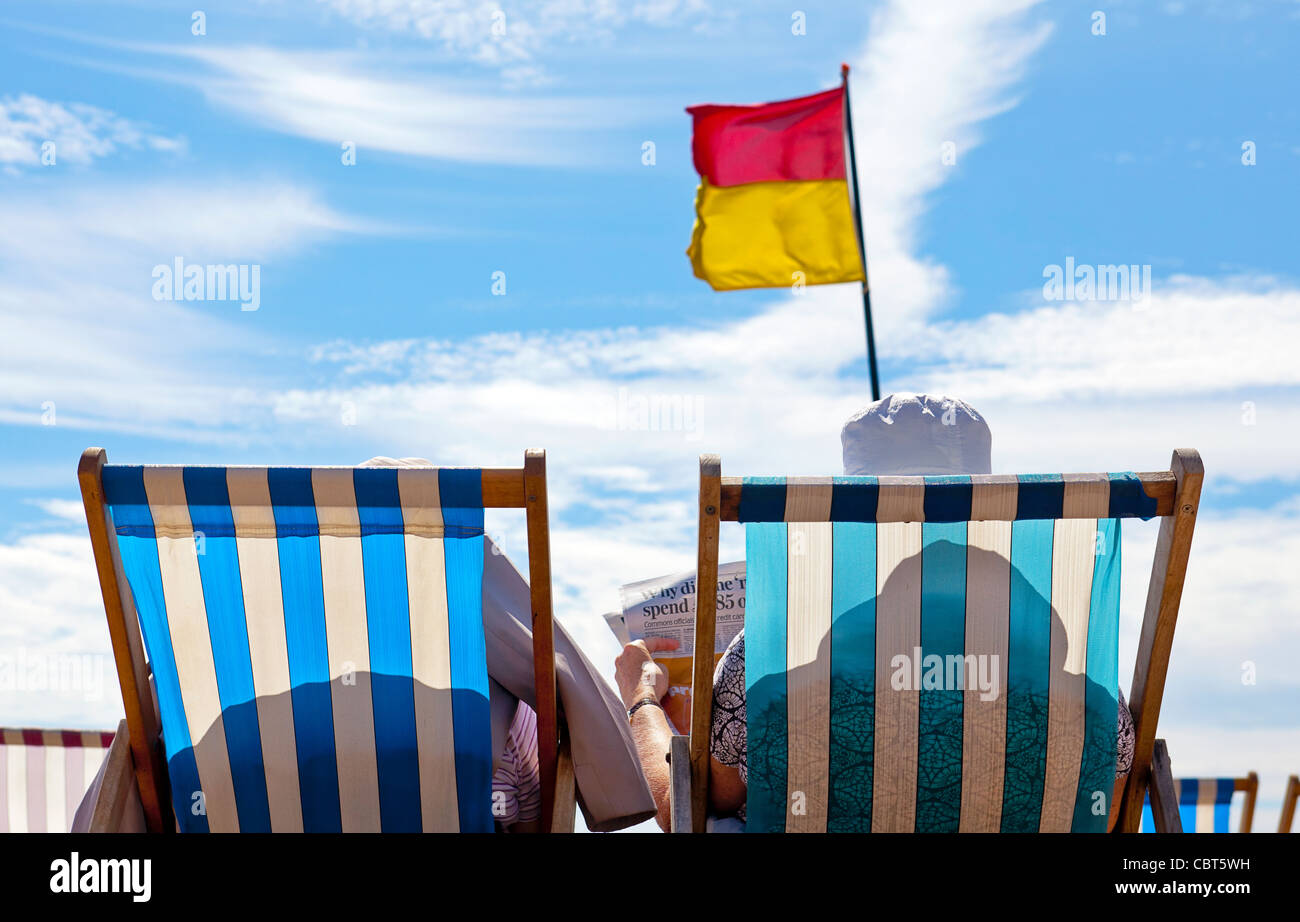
665,607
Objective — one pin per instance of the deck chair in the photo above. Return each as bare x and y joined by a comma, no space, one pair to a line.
44,774
1204,804
876,610
302,649
1289,803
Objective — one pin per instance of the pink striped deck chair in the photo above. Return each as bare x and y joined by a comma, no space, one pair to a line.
44,774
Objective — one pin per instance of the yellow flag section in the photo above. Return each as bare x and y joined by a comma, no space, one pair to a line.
773,206
764,234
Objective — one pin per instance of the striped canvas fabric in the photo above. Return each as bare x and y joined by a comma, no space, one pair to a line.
1204,805
44,774
947,498
953,667
316,640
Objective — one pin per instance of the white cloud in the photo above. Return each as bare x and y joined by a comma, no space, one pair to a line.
83,330
928,74
99,227
80,133
337,96
1192,336
1110,396
69,509
55,659
494,34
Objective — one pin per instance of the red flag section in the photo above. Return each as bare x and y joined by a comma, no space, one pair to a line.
790,140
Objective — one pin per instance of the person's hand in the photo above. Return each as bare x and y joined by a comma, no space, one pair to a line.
636,672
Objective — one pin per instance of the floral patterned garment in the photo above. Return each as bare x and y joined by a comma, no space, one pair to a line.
727,739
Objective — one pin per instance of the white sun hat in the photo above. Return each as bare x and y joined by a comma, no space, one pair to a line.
917,434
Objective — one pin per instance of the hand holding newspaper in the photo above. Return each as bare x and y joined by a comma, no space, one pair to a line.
665,607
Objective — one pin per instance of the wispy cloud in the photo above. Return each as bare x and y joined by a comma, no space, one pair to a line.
82,329
337,96
35,131
67,509
101,227
927,75
333,97
1111,348
781,368
507,35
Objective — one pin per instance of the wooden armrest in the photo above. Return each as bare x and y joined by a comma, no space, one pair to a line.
679,788
1164,798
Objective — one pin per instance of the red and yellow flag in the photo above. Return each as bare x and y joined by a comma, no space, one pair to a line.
773,199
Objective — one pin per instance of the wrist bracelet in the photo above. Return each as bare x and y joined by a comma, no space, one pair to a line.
642,703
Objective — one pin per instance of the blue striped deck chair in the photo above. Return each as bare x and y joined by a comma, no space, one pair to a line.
1289,803
938,654
315,639
1204,804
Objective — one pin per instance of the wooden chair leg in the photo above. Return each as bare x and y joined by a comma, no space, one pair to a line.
539,588
1164,798
679,789
564,813
1248,808
706,606
1288,803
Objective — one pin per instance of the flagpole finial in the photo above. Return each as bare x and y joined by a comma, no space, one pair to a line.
844,71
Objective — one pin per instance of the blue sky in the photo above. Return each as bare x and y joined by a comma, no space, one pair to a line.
521,153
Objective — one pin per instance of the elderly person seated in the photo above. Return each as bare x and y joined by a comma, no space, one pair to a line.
903,434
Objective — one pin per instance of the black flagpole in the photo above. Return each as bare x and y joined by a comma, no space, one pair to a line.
862,246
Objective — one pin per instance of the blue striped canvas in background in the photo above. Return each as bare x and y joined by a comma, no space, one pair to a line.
1204,805
316,641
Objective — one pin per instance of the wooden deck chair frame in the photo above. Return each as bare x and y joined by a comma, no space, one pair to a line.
503,488
1176,492
1289,803
1249,784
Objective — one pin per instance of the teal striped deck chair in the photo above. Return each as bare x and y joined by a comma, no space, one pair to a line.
315,639
1205,804
938,654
